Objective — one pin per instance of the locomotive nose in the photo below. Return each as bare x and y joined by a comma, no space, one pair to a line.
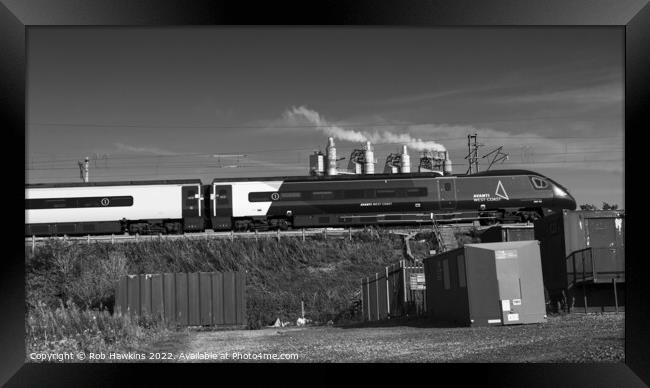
562,199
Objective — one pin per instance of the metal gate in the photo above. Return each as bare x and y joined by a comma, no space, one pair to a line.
398,291
185,299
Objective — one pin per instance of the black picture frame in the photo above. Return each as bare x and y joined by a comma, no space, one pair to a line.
17,16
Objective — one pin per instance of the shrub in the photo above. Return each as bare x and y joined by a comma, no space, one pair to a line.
324,273
70,329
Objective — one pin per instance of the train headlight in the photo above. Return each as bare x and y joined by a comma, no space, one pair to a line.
559,192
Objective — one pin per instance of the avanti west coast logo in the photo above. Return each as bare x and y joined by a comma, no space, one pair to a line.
500,193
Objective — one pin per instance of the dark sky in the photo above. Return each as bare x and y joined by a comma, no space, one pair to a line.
154,103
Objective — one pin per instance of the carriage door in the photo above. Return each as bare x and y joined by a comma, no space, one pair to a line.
192,218
447,191
222,207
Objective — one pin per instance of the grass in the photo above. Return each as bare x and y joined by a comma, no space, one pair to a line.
323,273
70,329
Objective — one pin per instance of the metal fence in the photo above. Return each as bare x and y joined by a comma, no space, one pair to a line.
396,292
185,299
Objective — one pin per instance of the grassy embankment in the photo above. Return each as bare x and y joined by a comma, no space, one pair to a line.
324,273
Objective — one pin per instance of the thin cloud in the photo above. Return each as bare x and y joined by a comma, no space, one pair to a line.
143,150
603,94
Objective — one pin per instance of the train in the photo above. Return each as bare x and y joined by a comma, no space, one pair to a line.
270,203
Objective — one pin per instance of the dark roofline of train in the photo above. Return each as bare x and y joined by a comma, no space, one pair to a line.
284,178
114,183
373,176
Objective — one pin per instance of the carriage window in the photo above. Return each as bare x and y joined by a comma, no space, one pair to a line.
322,195
190,199
447,186
383,193
416,192
79,202
353,194
222,197
56,203
289,196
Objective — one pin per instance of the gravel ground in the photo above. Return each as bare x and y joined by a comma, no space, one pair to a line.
570,338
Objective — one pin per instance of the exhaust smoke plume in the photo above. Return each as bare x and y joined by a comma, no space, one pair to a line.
302,114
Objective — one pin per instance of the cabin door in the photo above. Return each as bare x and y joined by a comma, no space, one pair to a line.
221,207
191,201
447,193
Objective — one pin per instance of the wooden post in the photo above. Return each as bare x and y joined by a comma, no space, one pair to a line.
377,293
88,239
404,281
278,232
368,294
303,234
256,235
584,293
33,244
136,236
615,294
325,233
232,235
350,232
112,238
302,308
363,309
387,294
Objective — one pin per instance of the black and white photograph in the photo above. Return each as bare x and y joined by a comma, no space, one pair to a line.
324,194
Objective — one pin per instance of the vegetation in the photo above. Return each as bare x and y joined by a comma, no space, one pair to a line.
605,206
324,273
70,329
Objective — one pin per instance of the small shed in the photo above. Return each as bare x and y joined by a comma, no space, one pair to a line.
505,233
486,284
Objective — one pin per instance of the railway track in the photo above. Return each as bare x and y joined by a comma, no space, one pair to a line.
326,232
300,233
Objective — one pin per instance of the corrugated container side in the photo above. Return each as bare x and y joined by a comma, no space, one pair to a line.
217,298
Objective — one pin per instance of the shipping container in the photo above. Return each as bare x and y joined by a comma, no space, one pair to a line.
505,233
486,284
583,258
185,299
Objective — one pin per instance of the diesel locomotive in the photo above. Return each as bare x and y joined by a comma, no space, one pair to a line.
177,206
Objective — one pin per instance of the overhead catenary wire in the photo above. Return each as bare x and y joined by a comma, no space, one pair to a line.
146,174
189,155
272,126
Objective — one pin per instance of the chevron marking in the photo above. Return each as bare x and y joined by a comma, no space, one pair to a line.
501,191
